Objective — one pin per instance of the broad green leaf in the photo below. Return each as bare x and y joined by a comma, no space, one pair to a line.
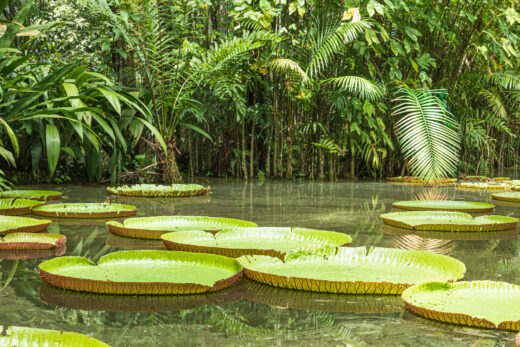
52,144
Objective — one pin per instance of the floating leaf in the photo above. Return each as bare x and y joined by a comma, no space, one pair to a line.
86,210
154,190
444,205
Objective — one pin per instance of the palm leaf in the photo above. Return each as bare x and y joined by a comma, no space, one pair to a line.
427,133
358,86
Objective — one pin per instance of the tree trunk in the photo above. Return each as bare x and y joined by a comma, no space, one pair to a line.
171,173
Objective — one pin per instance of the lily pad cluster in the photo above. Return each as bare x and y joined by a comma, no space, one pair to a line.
154,190
42,195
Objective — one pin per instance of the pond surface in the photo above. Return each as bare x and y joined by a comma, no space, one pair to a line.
250,314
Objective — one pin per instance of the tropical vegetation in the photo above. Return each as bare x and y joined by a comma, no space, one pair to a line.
153,90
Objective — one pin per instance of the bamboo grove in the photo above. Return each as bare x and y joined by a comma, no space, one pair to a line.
159,89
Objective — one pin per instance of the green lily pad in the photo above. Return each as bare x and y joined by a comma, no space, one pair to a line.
22,336
16,207
485,304
135,303
29,241
314,301
352,270
42,195
448,221
275,242
143,272
473,178
154,190
444,205
13,224
454,236
88,210
485,185
507,196
154,227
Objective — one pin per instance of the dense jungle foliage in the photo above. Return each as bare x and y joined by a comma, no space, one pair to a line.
100,90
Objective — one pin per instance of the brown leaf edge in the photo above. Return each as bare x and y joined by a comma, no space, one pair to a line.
38,228
451,227
228,252
121,230
19,246
460,318
466,210
94,215
452,236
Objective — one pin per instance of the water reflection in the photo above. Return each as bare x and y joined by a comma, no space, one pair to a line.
116,241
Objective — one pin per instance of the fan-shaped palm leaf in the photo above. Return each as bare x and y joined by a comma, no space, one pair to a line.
359,86
427,133
287,65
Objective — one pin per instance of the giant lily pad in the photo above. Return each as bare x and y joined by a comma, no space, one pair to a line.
154,227
135,303
314,301
485,185
275,242
21,336
89,210
485,304
453,236
448,221
143,272
507,196
16,207
444,205
352,270
154,190
12,224
41,195
23,241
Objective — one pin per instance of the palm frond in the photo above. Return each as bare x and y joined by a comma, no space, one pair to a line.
494,101
288,66
330,42
427,133
358,86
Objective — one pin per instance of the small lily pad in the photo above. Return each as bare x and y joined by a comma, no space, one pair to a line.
154,227
484,304
143,272
22,336
41,195
29,241
507,196
154,190
454,236
86,210
236,242
448,221
13,224
16,207
444,205
352,270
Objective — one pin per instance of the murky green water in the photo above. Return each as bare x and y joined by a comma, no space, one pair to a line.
249,314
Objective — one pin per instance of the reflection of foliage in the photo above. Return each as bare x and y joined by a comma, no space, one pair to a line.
85,249
431,194
417,243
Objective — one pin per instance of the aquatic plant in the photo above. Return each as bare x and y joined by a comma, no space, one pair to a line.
275,242
86,210
154,227
143,272
43,195
14,224
444,205
16,207
29,241
448,221
154,190
358,270
22,336
484,304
